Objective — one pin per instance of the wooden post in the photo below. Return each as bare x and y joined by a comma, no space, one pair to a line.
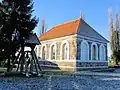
22,60
31,64
19,63
26,68
35,61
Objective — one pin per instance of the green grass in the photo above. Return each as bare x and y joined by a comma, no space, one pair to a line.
111,63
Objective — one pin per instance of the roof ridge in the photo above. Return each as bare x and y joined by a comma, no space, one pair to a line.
66,23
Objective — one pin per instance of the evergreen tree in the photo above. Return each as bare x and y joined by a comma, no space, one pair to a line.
16,23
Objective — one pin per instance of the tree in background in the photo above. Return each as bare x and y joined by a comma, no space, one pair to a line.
111,27
16,23
114,37
43,27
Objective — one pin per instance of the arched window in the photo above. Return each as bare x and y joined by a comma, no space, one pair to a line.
102,52
43,52
53,52
84,50
65,50
37,50
94,51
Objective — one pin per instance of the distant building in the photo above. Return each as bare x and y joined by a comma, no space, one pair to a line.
73,45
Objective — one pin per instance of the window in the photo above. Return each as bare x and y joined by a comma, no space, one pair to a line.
37,50
43,52
53,52
102,53
84,50
65,51
94,53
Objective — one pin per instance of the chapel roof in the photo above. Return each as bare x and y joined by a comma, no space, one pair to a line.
66,29
71,28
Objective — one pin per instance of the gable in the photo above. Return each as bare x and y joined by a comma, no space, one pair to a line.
85,30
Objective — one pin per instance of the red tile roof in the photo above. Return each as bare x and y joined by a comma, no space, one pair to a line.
62,30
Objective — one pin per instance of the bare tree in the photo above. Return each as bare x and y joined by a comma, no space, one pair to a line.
117,32
117,22
114,36
43,27
111,27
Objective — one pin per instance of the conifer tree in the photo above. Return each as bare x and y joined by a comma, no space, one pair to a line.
16,23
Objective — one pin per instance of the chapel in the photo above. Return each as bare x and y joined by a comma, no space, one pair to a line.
72,46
